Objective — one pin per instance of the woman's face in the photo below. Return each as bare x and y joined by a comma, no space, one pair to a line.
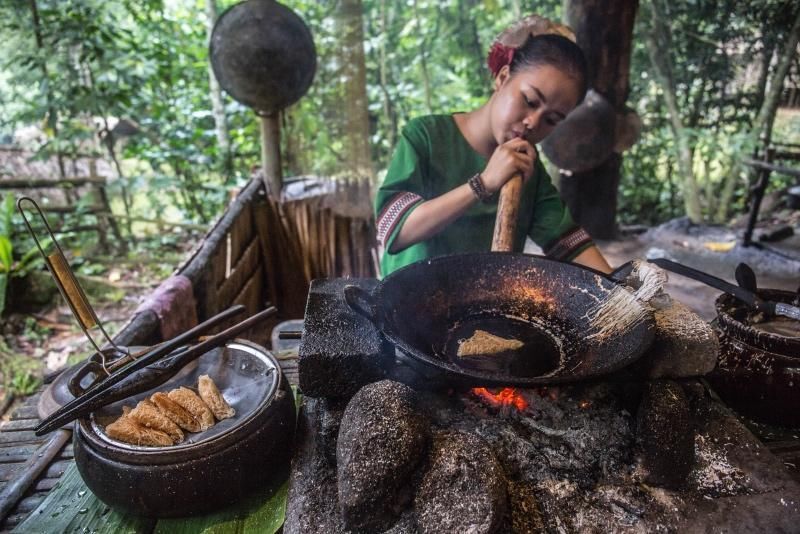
531,102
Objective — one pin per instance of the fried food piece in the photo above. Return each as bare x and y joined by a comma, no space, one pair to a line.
128,430
194,405
126,410
175,412
147,414
482,343
213,398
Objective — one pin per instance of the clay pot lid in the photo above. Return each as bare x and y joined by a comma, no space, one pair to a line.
732,316
246,374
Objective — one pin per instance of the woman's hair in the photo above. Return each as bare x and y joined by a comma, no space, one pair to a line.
556,51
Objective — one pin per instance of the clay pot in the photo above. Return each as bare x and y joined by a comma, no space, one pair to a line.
758,373
210,469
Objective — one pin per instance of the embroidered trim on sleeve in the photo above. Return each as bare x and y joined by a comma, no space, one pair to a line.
392,212
566,245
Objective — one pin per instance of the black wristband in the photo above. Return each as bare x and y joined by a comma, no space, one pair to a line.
478,189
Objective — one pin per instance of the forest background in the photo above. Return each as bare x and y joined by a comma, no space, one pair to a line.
74,72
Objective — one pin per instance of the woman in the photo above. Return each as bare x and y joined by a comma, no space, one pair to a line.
439,194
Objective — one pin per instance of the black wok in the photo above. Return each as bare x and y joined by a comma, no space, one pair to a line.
428,308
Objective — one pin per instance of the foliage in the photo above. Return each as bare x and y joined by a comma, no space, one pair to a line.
9,267
146,61
712,49
19,374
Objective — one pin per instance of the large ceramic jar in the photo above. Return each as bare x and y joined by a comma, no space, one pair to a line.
758,373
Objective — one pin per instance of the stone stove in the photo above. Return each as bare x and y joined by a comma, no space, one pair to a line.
618,455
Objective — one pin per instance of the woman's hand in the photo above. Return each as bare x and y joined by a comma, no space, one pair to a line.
514,156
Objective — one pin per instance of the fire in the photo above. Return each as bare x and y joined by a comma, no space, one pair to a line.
505,397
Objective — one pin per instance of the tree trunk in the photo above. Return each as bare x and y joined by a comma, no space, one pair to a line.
355,114
217,103
766,60
469,39
761,131
52,114
423,61
389,113
604,30
762,128
658,46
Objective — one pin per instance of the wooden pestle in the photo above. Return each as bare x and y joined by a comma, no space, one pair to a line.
507,209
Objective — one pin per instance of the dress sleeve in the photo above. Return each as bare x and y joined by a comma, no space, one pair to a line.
403,188
552,227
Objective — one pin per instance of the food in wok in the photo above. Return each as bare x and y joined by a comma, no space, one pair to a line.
482,343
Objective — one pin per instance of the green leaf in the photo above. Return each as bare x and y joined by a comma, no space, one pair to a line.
6,211
5,254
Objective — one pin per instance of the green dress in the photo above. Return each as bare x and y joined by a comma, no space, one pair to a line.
432,157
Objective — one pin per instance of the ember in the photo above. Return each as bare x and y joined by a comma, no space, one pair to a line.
505,397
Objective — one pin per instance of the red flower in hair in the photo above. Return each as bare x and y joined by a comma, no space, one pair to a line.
500,55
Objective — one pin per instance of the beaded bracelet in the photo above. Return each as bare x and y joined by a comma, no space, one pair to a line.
476,184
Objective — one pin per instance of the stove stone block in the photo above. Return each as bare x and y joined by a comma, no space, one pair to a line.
340,350
684,345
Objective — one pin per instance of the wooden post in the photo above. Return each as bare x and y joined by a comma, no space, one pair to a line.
757,196
271,154
104,221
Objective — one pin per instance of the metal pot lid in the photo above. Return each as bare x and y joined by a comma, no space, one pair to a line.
246,374
263,55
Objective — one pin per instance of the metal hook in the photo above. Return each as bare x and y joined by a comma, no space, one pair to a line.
68,285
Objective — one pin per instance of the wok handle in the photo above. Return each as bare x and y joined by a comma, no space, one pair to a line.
505,224
361,302
621,273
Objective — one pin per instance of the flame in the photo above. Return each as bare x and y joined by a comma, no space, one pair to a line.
505,397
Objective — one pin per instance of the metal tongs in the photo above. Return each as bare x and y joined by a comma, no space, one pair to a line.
150,370
118,373
73,293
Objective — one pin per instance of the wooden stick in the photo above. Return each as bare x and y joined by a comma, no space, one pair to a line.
505,224
38,183
271,154
766,165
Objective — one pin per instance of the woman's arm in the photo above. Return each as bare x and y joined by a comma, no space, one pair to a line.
592,257
433,216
